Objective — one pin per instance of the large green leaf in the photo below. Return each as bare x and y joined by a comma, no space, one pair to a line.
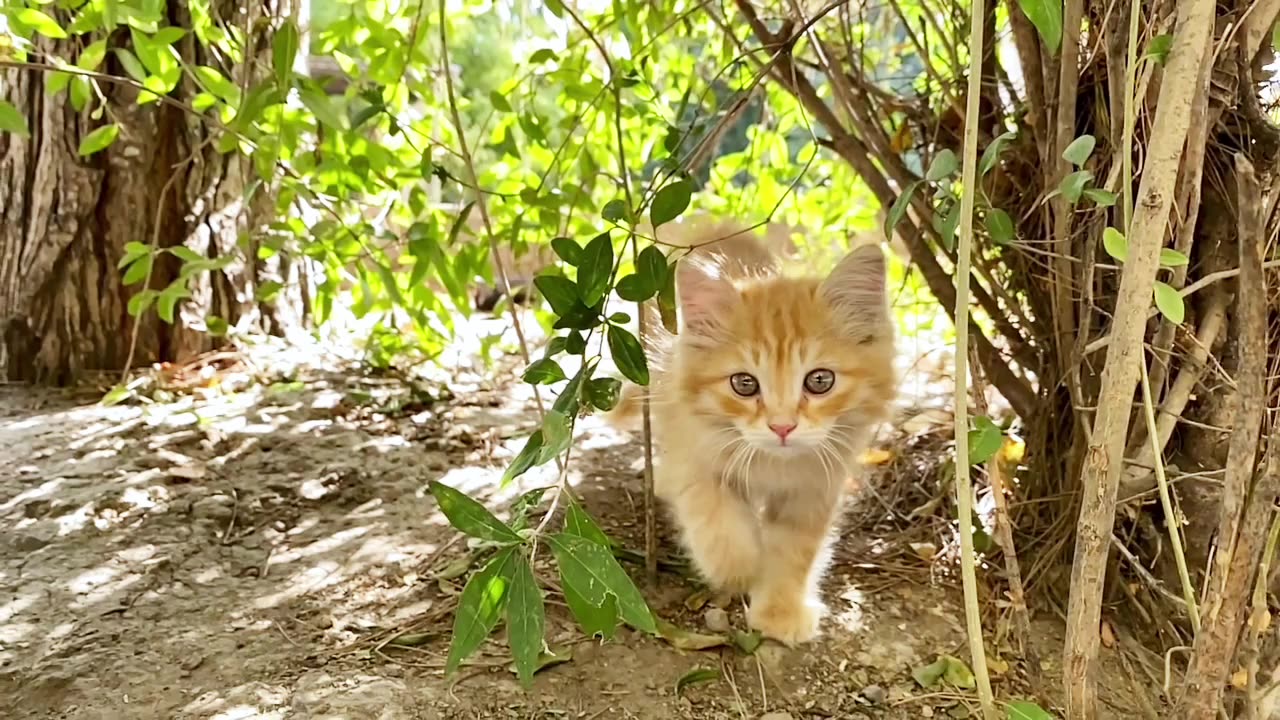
479,607
670,201
1046,16
595,267
525,619
628,355
470,516
595,575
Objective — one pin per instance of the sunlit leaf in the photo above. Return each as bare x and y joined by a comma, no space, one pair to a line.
592,571
1170,303
41,23
1046,16
525,459
1172,258
1024,710
1101,198
1114,242
12,121
557,432
284,48
544,372
479,607
985,440
139,270
499,103
99,139
469,516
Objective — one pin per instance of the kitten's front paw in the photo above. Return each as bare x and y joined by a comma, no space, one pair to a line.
790,623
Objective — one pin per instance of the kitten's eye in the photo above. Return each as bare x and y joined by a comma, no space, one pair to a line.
819,382
744,384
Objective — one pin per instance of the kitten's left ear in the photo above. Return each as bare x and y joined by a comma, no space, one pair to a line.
856,291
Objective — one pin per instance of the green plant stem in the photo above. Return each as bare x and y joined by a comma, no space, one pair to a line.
1166,502
964,249
1130,117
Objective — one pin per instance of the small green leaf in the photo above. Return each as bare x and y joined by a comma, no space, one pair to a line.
284,49
323,108
525,459
1159,47
99,139
1172,258
670,201
1078,152
1170,303
116,395
12,121
985,440
498,102
1114,242
268,291
944,165
947,224
628,355
603,393
132,251
1000,226
92,56
141,302
631,289
1073,185
594,269
615,211
131,64
544,372
950,669
991,155
899,208
41,23
542,55
469,516
696,676
479,607
592,571
560,292
958,674
526,619
1024,710
169,298
651,269
557,432
568,250
139,270
1046,16
747,642
1101,198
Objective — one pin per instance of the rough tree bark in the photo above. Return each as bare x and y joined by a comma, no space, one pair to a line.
64,220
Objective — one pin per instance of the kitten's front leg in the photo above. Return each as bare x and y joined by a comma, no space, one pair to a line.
785,602
720,532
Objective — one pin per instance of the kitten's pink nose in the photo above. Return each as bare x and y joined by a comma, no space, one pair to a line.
782,431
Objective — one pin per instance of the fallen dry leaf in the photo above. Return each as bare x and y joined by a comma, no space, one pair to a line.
1108,634
1240,679
877,456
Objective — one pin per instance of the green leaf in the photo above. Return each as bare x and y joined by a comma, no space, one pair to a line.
696,676
169,298
991,155
944,165
132,251
1000,226
1101,198
628,355
141,302
985,440
284,48
268,291
578,522
323,108
568,250
12,121
1159,47
542,55
1073,185
116,395
603,393
1024,710
947,224
899,208
499,103
139,270
479,607
1078,152
594,620
651,269
592,571
557,432
670,201
525,459
1046,15
1170,303
469,516
950,669
958,674
41,23
560,292
1172,258
544,372
614,211
1114,242
594,269
99,139
631,289
92,56
525,619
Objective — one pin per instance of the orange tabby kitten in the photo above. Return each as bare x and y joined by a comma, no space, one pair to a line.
761,406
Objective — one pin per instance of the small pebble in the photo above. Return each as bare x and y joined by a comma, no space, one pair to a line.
717,620
874,694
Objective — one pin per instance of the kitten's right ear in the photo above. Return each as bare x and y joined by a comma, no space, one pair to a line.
706,297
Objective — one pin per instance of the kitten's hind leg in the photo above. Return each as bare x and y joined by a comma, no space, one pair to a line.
720,532
785,602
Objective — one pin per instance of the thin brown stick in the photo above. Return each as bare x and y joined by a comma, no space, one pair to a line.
1101,472
1245,509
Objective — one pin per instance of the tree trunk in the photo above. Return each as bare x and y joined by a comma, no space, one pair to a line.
65,221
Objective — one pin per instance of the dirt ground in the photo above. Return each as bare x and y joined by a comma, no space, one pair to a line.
249,548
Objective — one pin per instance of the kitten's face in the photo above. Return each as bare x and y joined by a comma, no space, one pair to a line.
787,364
